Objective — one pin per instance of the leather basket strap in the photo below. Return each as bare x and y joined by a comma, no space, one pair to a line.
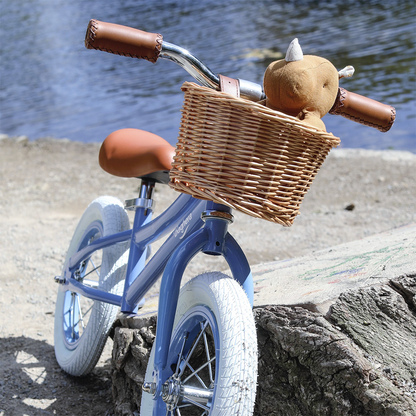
230,86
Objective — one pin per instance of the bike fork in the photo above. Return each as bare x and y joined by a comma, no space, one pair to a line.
213,238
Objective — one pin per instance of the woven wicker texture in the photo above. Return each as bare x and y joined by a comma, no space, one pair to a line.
245,155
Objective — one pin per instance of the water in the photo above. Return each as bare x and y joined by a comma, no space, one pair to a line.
50,85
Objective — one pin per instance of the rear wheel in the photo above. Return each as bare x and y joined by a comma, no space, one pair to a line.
82,325
212,363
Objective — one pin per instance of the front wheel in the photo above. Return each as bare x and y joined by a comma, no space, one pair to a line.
82,325
212,362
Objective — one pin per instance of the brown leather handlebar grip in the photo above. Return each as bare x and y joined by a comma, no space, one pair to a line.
123,40
364,110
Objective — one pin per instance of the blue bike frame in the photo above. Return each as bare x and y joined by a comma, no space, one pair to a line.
190,234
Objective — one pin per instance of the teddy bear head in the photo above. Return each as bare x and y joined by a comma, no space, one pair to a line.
304,87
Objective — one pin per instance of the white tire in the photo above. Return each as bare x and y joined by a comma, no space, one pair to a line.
81,325
234,378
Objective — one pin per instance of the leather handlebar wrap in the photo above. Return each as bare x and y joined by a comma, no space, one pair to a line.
123,40
364,110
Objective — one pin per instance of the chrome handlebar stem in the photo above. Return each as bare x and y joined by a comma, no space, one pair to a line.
203,74
191,64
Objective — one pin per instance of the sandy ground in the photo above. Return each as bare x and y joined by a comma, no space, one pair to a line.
46,185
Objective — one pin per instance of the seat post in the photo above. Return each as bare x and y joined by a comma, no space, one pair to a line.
143,207
145,199
147,188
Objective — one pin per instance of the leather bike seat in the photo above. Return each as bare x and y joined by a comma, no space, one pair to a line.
131,153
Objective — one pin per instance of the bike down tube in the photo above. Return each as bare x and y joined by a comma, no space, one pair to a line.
166,221
186,217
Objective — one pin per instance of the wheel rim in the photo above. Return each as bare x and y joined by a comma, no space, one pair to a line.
193,361
76,308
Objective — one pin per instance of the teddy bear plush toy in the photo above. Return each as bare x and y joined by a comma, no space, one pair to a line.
304,87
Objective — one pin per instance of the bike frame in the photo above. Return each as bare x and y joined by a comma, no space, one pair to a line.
195,226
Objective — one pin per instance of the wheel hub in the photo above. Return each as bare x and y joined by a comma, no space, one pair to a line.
171,392
174,393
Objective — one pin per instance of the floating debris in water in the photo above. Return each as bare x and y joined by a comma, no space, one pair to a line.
260,54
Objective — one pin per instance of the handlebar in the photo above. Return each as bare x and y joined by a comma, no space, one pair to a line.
364,110
123,40
127,41
134,43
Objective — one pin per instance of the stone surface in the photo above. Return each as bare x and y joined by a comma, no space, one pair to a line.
319,277
133,339
336,333
359,359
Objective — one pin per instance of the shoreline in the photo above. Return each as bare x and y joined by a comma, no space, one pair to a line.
27,140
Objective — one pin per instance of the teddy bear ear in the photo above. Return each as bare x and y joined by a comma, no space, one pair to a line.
346,72
294,51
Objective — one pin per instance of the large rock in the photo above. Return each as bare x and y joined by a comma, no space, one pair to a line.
347,346
133,339
359,359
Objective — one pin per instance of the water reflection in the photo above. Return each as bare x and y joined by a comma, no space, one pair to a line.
51,85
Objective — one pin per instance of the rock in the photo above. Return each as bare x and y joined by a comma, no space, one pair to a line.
21,139
359,359
133,339
336,333
381,323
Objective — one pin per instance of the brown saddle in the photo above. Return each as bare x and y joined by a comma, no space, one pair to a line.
133,153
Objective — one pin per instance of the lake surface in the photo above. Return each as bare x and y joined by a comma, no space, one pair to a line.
50,85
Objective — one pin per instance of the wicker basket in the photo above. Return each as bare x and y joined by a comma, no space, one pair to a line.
245,155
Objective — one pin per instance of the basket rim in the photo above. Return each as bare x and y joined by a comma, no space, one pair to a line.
261,110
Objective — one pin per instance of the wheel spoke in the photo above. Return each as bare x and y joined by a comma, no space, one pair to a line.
81,318
195,372
75,310
94,269
193,348
182,405
197,404
180,354
190,392
76,321
211,379
72,315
